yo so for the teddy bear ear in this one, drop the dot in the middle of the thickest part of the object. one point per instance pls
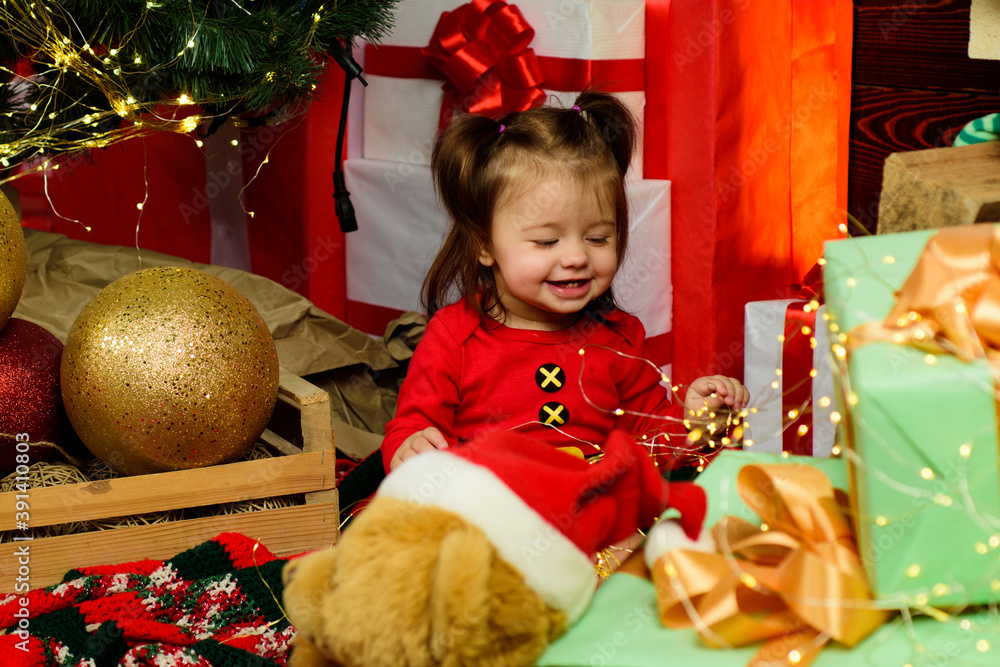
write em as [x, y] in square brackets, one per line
[459, 602]
[307, 581]
[481, 606]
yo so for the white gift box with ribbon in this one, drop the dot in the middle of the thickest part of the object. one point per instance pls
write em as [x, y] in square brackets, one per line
[401, 113]
[764, 348]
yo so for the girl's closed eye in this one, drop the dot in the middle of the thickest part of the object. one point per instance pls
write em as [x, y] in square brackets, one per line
[598, 240]
[545, 243]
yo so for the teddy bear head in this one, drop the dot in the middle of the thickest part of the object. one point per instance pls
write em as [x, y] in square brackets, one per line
[414, 585]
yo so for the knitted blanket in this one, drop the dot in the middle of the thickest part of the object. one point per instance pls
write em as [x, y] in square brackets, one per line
[216, 605]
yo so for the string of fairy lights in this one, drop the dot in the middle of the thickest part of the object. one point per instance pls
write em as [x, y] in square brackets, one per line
[102, 69]
[69, 94]
[706, 428]
[57, 125]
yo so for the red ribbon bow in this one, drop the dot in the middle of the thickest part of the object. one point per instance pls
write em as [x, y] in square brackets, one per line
[482, 49]
[811, 286]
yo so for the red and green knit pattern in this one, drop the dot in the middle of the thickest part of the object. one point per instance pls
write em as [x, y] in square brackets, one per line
[216, 605]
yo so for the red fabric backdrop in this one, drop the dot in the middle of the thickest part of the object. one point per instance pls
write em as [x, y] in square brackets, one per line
[294, 236]
[746, 115]
[103, 188]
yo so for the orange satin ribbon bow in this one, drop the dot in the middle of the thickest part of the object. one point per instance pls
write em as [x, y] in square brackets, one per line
[482, 49]
[951, 300]
[794, 583]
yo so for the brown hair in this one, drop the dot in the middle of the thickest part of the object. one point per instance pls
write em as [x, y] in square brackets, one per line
[475, 163]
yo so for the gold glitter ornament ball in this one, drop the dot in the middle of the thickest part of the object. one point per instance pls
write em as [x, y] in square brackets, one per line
[169, 368]
[13, 259]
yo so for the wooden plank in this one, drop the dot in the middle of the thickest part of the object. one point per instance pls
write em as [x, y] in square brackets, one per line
[918, 44]
[885, 121]
[940, 187]
[301, 391]
[317, 429]
[126, 496]
[300, 414]
[271, 438]
[329, 497]
[285, 532]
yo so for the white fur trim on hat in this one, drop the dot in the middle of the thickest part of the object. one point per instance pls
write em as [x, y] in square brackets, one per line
[551, 564]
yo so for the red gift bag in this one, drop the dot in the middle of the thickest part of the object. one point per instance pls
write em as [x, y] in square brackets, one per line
[748, 108]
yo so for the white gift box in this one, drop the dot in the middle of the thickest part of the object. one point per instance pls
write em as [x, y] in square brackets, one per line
[401, 114]
[763, 355]
[401, 224]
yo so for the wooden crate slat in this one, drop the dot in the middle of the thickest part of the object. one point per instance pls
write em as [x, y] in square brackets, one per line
[271, 438]
[285, 532]
[301, 391]
[310, 471]
[126, 496]
[317, 428]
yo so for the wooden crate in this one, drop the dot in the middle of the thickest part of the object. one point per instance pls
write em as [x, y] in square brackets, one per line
[299, 430]
[940, 187]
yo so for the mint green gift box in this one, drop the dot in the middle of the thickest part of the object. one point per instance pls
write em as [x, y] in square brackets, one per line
[622, 626]
[921, 432]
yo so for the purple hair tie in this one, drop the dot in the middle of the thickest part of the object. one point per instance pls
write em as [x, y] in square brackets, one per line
[576, 109]
[502, 128]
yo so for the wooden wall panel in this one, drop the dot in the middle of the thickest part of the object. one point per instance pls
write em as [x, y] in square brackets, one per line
[918, 45]
[888, 120]
[914, 87]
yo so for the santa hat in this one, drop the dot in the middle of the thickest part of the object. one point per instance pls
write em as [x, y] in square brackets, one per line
[547, 512]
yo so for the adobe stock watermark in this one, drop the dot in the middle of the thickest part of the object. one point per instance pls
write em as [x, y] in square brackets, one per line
[900, 16]
[407, 165]
[554, 530]
[22, 517]
[424, 490]
[422, 147]
[323, 250]
[433, 482]
[887, 534]
[252, 145]
[635, 621]
[758, 155]
[643, 275]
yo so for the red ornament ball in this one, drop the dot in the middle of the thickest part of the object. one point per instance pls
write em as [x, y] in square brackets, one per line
[30, 395]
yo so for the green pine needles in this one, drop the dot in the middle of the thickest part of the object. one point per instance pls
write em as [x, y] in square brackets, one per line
[81, 74]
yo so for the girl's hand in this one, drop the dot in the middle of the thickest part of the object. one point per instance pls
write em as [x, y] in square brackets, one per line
[422, 441]
[714, 392]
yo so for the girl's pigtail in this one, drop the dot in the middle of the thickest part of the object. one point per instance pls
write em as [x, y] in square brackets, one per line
[462, 146]
[459, 156]
[614, 121]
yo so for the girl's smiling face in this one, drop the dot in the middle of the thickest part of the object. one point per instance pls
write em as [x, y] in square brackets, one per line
[552, 251]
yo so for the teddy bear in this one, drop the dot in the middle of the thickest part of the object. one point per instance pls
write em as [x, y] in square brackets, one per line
[480, 554]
